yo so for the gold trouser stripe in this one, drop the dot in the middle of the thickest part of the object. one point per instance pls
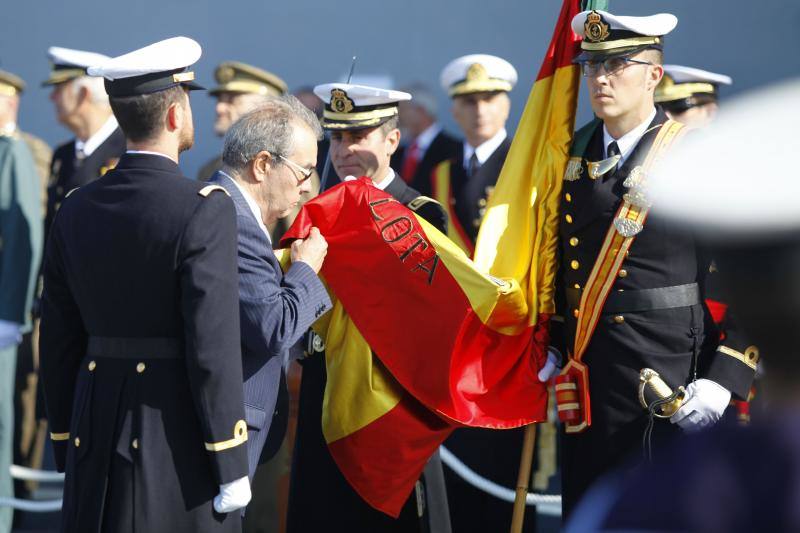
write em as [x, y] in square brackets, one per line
[738, 355]
[569, 406]
[364, 115]
[680, 91]
[59, 436]
[620, 43]
[614, 248]
[239, 437]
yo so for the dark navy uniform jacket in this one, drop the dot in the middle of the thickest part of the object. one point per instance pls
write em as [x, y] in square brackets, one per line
[140, 353]
[66, 172]
[680, 343]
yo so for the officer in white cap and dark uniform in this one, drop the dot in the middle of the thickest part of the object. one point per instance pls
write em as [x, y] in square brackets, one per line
[363, 125]
[730, 478]
[81, 105]
[478, 85]
[631, 281]
[140, 352]
[689, 95]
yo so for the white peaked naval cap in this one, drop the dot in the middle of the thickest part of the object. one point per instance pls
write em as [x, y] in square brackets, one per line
[607, 34]
[477, 73]
[732, 177]
[350, 106]
[68, 63]
[153, 68]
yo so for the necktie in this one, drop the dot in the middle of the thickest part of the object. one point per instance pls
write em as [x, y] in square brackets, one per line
[612, 150]
[474, 165]
[410, 162]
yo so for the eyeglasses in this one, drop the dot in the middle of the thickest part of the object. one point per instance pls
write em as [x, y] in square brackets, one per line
[306, 172]
[611, 66]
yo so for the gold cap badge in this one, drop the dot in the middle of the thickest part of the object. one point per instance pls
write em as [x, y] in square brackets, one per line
[477, 72]
[340, 102]
[594, 28]
[225, 74]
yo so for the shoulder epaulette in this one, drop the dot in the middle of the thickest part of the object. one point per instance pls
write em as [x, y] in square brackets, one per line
[208, 189]
[419, 201]
[70, 192]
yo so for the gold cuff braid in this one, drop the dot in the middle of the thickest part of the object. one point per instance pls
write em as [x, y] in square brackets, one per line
[749, 357]
[239, 437]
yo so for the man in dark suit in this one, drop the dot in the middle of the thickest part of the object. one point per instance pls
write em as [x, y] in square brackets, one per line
[266, 170]
[427, 144]
[364, 134]
[633, 282]
[141, 363]
[478, 85]
[81, 105]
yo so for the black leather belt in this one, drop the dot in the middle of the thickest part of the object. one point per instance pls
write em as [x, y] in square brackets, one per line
[643, 299]
[135, 347]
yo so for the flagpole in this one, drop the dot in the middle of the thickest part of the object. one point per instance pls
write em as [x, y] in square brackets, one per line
[523, 478]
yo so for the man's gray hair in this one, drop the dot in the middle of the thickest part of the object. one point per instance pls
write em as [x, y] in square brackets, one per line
[270, 128]
[95, 86]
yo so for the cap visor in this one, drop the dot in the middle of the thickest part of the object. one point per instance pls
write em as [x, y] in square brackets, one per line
[589, 55]
[193, 86]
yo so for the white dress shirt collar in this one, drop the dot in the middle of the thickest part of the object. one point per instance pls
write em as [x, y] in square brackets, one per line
[425, 139]
[485, 150]
[251, 203]
[99, 137]
[385, 183]
[627, 142]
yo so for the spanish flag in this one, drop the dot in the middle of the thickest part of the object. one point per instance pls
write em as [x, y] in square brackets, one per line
[421, 339]
[519, 234]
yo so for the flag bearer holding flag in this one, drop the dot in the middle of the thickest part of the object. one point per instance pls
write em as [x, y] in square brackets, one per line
[633, 283]
[364, 135]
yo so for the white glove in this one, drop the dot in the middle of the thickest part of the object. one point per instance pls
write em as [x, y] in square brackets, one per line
[551, 366]
[233, 495]
[706, 401]
[9, 334]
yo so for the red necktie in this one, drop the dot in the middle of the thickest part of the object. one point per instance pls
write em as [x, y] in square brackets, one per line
[410, 162]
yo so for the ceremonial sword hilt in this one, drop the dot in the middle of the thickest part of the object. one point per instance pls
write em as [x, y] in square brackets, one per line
[669, 401]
